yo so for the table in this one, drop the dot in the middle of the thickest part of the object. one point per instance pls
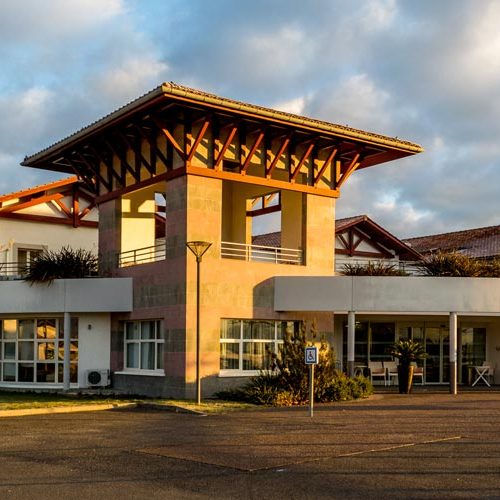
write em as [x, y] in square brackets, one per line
[481, 372]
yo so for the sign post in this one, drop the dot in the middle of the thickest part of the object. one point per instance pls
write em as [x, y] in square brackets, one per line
[311, 359]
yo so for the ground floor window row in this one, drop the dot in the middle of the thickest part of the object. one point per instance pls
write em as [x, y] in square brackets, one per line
[374, 338]
[144, 345]
[246, 345]
[32, 350]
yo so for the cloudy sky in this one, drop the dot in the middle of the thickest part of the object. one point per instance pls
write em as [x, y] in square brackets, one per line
[427, 71]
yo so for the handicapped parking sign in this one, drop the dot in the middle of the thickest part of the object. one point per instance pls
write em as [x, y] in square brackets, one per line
[311, 355]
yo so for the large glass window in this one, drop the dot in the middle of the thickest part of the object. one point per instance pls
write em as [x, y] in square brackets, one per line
[32, 350]
[144, 341]
[372, 341]
[246, 345]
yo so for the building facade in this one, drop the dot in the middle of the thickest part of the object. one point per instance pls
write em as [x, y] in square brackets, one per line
[209, 169]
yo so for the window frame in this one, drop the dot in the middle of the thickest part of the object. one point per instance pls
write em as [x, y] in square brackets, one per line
[241, 341]
[157, 340]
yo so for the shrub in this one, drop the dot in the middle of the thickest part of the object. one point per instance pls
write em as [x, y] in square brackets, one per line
[372, 269]
[64, 263]
[288, 383]
[458, 265]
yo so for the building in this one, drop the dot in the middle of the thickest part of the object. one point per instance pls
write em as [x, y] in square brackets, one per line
[178, 165]
[35, 340]
[479, 243]
[45, 218]
[211, 167]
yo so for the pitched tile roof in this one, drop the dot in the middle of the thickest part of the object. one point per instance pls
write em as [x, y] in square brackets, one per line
[483, 242]
[267, 240]
[173, 90]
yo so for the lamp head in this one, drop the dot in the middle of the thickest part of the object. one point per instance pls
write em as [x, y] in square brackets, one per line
[198, 248]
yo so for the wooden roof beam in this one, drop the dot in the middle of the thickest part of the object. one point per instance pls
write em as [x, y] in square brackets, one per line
[252, 151]
[226, 144]
[304, 158]
[284, 144]
[169, 136]
[327, 162]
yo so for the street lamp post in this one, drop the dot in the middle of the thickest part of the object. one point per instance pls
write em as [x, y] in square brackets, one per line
[198, 248]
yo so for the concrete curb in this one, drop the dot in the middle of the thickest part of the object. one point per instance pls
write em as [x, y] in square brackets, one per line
[65, 409]
[176, 409]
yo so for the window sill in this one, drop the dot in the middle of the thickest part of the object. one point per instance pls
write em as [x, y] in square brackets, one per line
[147, 373]
[238, 373]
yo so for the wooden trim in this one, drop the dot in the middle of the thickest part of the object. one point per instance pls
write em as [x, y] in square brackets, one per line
[261, 181]
[166, 176]
[34, 201]
[38, 189]
[46, 218]
[63, 207]
[264, 211]
[342, 251]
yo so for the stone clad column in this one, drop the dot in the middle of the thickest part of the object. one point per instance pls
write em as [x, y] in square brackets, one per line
[453, 353]
[351, 328]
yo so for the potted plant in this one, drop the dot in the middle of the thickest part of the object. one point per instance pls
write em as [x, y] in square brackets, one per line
[407, 351]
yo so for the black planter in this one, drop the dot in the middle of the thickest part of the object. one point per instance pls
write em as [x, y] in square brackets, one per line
[405, 378]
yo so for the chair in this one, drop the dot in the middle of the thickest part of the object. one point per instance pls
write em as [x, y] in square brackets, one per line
[418, 371]
[376, 369]
[392, 370]
[490, 373]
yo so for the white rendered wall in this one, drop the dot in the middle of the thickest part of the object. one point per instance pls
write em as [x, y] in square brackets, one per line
[16, 233]
[94, 344]
[379, 294]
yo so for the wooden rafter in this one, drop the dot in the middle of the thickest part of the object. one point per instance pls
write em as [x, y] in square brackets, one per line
[15, 207]
[252, 151]
[154, 147]
[169, 136]
[305, 156]
[137, 151]
[281, 150]
[226, 144]
[327, 162]
[96, 167]
[198, 139]
[353, 165]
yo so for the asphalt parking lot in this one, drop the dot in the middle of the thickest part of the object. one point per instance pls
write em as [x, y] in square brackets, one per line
[392, 446]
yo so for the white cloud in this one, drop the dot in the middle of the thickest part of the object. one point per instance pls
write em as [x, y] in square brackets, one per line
[295, 106]
[355, 101]
[54, 20]
[125, 81]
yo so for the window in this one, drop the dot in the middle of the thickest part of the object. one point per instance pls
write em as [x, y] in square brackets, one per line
[32, 350]
[25, 257]
[144, 341]
[246, 345]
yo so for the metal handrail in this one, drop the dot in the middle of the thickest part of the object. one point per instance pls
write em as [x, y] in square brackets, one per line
[12, 270]
[260, 253]
[142, 255]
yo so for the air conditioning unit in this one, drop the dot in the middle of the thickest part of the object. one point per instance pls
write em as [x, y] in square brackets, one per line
[97, 378]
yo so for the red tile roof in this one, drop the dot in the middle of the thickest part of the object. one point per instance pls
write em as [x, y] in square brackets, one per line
[483, 242]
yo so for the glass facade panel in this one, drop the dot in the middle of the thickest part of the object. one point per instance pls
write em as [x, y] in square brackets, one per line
[26, 351]
[9, 328]
[259, 330]
[26, 328]
[148, 356]
[231, 329]
[46, 328]
[246, 345]
[229, 356]
[144, 341]
[31, 353]
[256, 355]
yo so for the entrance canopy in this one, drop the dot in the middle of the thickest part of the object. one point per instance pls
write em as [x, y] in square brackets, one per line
[380, 294]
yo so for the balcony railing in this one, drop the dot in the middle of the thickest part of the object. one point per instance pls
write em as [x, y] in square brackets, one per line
[143, 255]
[260, 253]
[12, 270]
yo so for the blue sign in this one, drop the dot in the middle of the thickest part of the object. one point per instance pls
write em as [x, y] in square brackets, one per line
[311, 355]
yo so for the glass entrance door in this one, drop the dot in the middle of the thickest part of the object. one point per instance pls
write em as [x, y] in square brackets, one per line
[437, 364]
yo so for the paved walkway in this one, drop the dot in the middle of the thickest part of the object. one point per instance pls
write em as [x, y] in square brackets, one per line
[391, 446]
